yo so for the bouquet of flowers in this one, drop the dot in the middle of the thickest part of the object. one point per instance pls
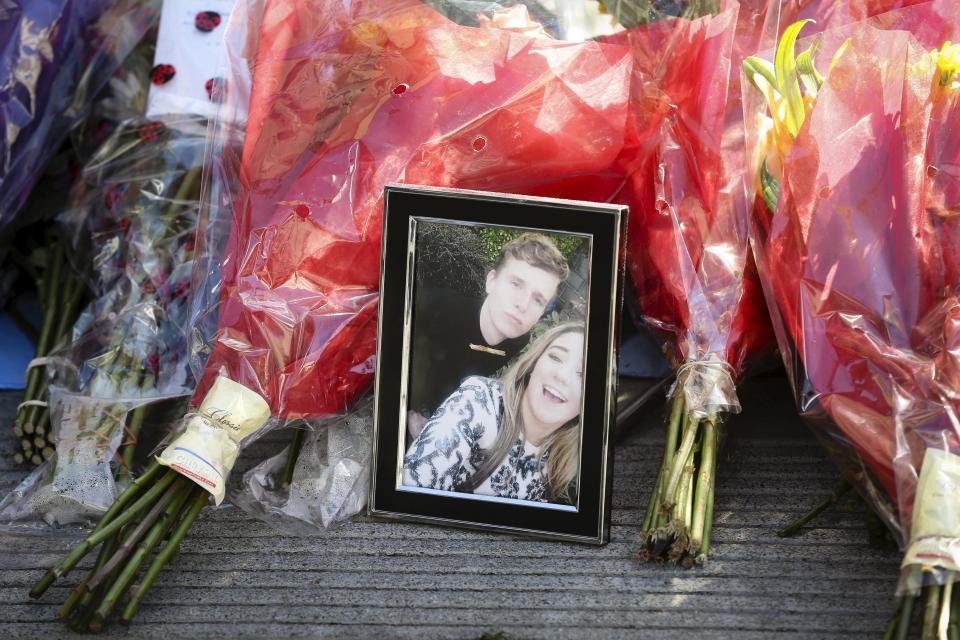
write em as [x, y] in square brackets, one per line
[136, 208]
[55, 57]
[424, 100]
[689, 256]
[691, 260]
[61, 293]
[858, 238]
[51, 267]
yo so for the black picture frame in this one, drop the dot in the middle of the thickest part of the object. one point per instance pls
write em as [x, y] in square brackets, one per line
[605, 225]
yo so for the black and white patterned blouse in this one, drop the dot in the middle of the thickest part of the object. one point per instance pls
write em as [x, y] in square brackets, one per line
[450, 448]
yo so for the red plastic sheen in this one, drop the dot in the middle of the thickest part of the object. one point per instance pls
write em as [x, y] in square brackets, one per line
[688, 232]
[863, 253]
[326, 131]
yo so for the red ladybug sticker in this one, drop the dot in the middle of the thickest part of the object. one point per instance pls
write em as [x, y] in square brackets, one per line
[180, 290]
[214, 87]
[207, 21]
[150, 131]
[162, 74]
[112, 196]
[153, 360]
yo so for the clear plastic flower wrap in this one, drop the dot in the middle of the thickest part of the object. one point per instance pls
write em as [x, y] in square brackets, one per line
[688, 252]
[857, 233]
[134, 213]
[344, 98]
[300, 328]
[328, 482]
[692, 264]
[54, 58]
[269, 482]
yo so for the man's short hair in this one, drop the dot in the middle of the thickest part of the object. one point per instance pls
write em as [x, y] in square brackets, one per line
[538, 250]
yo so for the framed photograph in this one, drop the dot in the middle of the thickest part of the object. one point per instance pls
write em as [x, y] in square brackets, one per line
[496, 361]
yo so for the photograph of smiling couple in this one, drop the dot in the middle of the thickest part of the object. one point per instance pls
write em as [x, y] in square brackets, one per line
[496, 362]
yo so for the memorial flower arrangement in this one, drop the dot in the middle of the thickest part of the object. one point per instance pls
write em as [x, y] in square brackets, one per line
[55, 58]
[688, 254]
[133, 215]
[858, 237]
[424, 101]
[853, 211]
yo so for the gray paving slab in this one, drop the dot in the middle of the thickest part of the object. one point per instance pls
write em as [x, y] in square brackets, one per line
[238, 578]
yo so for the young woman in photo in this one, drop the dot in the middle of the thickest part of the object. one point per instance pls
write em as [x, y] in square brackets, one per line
[514, 437]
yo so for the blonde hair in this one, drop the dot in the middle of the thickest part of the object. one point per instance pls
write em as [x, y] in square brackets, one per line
[563, 444]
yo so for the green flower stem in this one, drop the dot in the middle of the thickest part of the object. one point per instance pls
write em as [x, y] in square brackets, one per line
[673, 434]
[80, 623]
[839, 490]
[85, 596]
[33, 414]
[903, 615]
[70, 307]
[704, 549]
[652, 503]
[189, 180]
[931, 611]
[293, 454]
[953, 627]
[133, 426]
[141, 530]
[688, 474]
[74, 598]
[199, 500]
[680, 461]
[101, 534]
[676, 512]
[705, 483]
[88, 603]
[80, 598]
[178, 494]
[106, 418]
[50, 311]
[892, 625]
[673, 429]
[943, 616]
[43, 425]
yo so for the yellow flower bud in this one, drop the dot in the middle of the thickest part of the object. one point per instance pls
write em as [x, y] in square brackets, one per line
[947, 59]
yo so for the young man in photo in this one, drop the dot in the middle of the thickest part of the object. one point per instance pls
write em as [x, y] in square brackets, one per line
[456, 335]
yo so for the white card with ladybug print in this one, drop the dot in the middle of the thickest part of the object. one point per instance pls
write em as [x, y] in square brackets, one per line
[190, 60]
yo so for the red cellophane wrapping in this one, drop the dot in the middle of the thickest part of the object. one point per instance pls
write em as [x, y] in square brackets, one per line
[689, 253]
[861, 259]
[688, 225]
[347, 97]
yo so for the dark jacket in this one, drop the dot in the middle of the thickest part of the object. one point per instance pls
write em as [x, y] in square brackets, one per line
[445, 340]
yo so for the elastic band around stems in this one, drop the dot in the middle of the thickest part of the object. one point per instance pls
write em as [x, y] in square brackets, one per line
[43, 361]
[711, 390]
[717, 364]
[32, 403]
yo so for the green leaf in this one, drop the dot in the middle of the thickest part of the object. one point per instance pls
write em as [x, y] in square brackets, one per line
[838, 53]
[754, 66]
[769, 188]
[785, 71]
[811, 78]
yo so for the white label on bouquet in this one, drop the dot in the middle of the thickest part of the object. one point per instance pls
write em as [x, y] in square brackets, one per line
[935, 532]
[190, 59]
[206, 450]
